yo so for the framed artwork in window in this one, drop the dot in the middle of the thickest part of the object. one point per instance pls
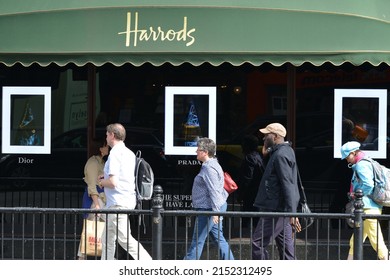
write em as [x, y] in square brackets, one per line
[361, 115]
[190, 113]
[26, 124]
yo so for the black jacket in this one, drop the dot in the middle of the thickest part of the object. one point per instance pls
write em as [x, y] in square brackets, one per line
[251, 171]
[278, 190]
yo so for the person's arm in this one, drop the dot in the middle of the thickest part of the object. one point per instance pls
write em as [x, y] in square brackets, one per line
[91, 174]
[247, 171]
[211, 179]
[110, 182]
[288, 185]
[114, 166]
[365, 173]
[245, 177]
[288, 188]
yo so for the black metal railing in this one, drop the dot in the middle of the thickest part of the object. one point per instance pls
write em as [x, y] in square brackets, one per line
[54, 233]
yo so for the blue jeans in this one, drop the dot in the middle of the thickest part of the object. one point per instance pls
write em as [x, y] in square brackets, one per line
[203, 226]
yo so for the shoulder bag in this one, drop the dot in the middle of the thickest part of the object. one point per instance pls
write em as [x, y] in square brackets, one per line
[303, 206]
[229, 184]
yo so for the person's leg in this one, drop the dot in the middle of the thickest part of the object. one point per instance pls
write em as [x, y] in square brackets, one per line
[109, 238]
[284, 239]
[128, 242]
[216, 232]
[82, 255]
[351, 241]
[350, 252]
[373, 231]
[247, 206]
[261, 238]
[201, 230]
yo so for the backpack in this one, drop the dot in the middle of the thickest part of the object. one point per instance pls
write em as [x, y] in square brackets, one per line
[144, 178]
[381, 192]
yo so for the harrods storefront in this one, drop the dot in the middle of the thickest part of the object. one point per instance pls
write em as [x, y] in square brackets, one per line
[264, 61]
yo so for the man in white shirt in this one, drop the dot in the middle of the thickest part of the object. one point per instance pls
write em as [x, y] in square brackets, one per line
[118, 182]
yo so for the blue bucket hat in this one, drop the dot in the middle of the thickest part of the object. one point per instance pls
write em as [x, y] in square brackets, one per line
[348, 148]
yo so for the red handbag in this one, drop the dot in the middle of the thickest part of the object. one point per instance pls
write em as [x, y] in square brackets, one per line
[229, 184]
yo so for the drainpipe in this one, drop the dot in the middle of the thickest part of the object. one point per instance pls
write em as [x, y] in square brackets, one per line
[91, 101]
[291, 104]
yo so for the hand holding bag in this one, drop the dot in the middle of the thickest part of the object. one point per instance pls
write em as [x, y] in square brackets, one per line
[229, 184]
[91, 237]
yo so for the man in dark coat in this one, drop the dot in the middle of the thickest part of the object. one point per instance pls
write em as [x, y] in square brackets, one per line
[278, 192]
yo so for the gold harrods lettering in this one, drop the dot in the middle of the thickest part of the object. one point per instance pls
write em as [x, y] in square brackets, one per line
[155, 35]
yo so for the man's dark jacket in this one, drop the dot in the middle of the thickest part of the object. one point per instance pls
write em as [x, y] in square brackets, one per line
[278, 190]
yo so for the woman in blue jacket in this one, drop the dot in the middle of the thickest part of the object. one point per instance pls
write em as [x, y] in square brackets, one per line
[363, 178]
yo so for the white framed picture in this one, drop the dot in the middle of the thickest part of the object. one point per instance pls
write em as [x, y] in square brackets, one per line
[361, 115]
[26, 120]
[190, 113]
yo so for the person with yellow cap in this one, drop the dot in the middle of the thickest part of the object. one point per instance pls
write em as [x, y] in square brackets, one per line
[278, 192]
[363, 178]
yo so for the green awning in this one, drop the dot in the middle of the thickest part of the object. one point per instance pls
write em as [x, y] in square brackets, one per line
[196, 31]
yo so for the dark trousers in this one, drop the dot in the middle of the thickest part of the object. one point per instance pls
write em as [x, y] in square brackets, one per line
[269, 228]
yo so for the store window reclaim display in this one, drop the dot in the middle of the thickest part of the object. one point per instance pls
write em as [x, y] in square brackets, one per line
[362, 114]
[26, 133]
[244, 101]
[191, 126]
[190, 113]
[26, 120]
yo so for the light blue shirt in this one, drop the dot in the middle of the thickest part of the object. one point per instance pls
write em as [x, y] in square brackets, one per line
[208, 191]
[121, 164]
[363, 178]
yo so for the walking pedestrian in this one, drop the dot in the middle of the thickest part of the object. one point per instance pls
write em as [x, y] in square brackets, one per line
[93, 197]
[278, 192]
[251, 171]
[208, 194]
[118, 182]
[363, 178]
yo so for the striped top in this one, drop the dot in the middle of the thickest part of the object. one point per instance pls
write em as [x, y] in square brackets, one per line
[208, 191]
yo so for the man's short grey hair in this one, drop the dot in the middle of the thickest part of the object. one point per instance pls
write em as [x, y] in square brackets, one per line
[118, 130]
[208, 145]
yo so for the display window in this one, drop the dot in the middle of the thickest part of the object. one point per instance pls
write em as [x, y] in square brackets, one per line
[166, 108]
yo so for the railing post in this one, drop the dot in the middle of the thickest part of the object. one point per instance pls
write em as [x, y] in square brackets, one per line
[157, 208]
[358, 228]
